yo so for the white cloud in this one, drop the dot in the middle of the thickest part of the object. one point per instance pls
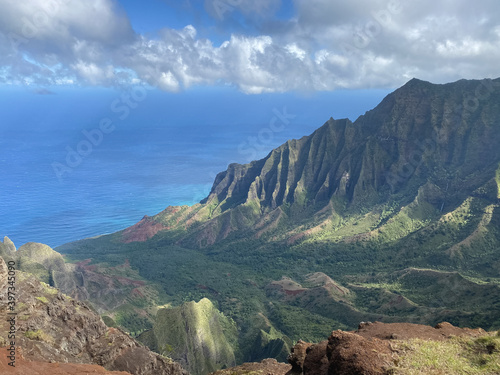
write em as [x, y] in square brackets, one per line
[92, 73]
[296, 51]
[168, 82]
[327, 45]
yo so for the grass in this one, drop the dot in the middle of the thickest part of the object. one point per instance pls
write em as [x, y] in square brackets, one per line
[48, 289]
[38, 335]
[42, 299]
[455, 356]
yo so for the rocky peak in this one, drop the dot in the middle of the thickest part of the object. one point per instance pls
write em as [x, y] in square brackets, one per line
[42, 254]
[7, 247]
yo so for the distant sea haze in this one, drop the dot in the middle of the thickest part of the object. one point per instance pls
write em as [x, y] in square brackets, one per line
[166, 151]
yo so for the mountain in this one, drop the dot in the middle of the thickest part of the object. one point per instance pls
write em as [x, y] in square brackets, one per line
[48, 326]
[437, 140]
[394, 217]
[196, 335]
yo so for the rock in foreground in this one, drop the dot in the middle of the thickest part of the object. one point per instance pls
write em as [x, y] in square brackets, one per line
[379, 348]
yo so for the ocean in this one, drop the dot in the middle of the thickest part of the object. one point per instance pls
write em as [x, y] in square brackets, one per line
[79, 162]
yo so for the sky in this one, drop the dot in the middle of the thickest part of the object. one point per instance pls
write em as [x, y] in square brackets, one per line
[254, 46]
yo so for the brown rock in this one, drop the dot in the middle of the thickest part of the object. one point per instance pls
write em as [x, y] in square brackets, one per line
[316, 361]
[265, 367]
[7, 247]
[366, 351]
[351, 354]
[405, 331]
[298, 356]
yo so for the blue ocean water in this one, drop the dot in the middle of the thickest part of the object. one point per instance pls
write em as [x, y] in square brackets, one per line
[79, 162]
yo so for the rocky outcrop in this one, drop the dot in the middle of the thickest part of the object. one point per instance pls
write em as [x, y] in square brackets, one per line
[298, 355]
[7, 247]
[42, 254]
[351, 354]
[367, 351]
[52, 327]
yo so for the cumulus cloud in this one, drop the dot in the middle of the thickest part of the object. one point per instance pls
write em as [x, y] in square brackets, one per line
[326, 45]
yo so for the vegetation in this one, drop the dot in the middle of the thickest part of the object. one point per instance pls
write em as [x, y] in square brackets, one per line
[37, 335]
[455, 356]
[197, 335]
[42, 299]
[401, 208]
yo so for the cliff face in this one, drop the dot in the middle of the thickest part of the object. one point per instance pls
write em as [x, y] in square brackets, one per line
[54, 327]
[196, 335]
[441, 137]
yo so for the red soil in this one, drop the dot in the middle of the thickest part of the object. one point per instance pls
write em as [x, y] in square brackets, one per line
[142, 231]
[25, 367]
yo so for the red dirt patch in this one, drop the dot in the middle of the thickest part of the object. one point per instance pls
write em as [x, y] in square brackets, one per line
[405, 331]
[83, 265]
[137, 293]
[142, 231]
[24, 367]
[266, 367]
[293, 292]
[126, 281]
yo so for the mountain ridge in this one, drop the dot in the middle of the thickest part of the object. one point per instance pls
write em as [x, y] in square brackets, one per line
[350, 164]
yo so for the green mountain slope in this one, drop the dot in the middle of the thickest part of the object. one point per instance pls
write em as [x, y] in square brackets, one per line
[397, 211]
[196, 335]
